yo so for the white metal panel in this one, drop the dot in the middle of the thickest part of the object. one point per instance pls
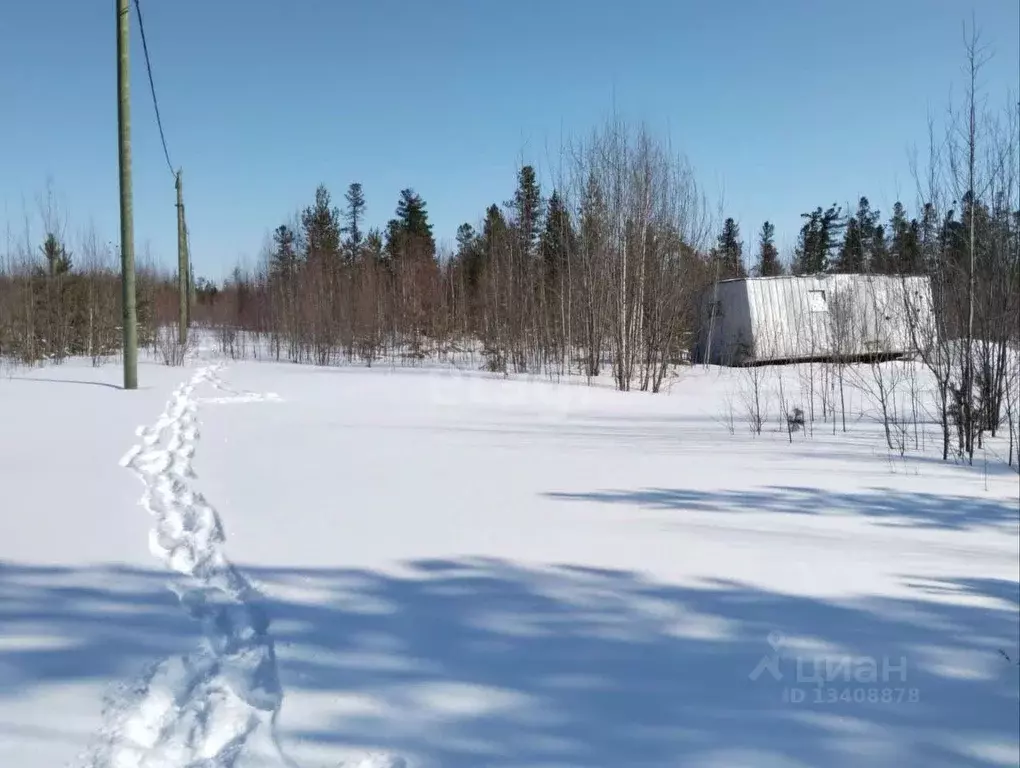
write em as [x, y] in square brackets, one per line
[790, 317]
[813, 316]
[727, 336]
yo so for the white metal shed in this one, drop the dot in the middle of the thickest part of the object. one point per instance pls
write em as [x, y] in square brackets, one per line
[809, 317]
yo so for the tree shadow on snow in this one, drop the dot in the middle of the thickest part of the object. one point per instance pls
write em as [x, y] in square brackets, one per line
[912, 462]
[882, 505]
[478, 662]
[81, 382]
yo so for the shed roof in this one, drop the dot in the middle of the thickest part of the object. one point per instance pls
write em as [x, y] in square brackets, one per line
[813, 275]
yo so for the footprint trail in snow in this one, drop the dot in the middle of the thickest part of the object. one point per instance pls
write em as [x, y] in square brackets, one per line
[216, 707]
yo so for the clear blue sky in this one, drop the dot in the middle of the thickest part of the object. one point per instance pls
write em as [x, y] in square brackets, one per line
[781, 106]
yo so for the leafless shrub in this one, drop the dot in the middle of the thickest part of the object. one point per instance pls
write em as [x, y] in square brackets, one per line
[171, 350]
[787, 416]
[729, 413]
[755, 396]
[879, 377]
[841, 329]
[231, 342]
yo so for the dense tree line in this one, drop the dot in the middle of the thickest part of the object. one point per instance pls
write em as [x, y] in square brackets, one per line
[606, 268]
[601, 269]
[56, 303]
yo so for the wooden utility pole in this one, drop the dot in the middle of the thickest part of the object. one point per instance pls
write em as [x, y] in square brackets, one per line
[182, 268]
[127, 229]
[192, 293]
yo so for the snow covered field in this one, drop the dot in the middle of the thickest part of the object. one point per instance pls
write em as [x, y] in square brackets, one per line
[461, 571]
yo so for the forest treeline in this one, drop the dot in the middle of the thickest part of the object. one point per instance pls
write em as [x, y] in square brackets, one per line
[608, 266]
[603, 268]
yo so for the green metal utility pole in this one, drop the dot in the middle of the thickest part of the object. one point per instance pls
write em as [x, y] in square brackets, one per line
[182, 267]
[127, 228]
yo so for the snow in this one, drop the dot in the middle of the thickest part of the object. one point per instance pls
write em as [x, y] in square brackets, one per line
[256, 564]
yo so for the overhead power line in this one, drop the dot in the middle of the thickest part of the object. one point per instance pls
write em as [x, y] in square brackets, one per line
[152, 89]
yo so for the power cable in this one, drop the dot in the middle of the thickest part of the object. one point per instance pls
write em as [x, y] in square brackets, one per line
[152, 88]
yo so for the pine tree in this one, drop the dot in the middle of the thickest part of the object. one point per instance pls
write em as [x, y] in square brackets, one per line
[465, 237]
[805, 258]
[394, 242]
[914, 256]
[832, 227]
[470, 255]
[851, 254]
[953, 242]
[409, 234]
[768, 255]
[58, 258]
[527, 210]
[730, 251]
[414, 217]
[558, 237]
[373, 249]
[354, 216]
[52, 310]
[856, 252]
[880, 263]
[905, 243]
[283, 262]
[321, 224]
[494, 233]
[868, 225]
[817, 240]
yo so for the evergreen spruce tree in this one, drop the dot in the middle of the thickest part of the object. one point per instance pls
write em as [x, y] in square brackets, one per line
[413, 217]
[470, 255]
[817, 239]
[409, 234]
[905, 243]
[321, 224]
[495, 233]
[465, 237]
[527, 210]
[851, 254]
[283, 262]
[857, 249]
[880, 263]
[354, 217]
[558, 237]
[58, 258]
[730, 251]
[373, 249]
[868, 225]
[831, 229]
[953, 241]
[805, 259]
[768, 255]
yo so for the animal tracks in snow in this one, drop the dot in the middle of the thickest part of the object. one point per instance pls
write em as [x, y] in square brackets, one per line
[216, 707]
[232, 395]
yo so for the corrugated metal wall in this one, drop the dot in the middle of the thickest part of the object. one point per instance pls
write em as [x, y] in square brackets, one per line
[805, 317]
